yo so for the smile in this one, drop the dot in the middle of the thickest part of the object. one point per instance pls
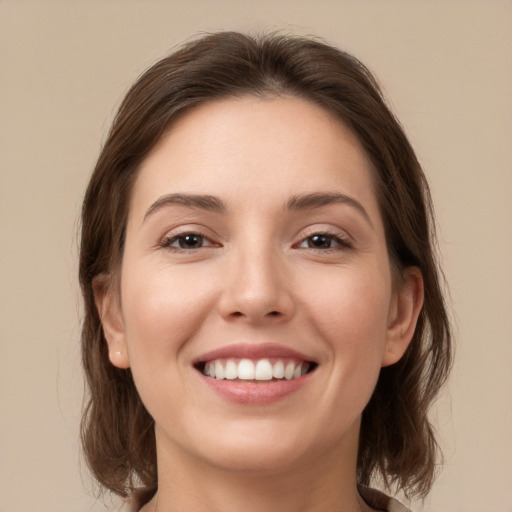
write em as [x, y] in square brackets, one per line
[266, 369]
[255, 374]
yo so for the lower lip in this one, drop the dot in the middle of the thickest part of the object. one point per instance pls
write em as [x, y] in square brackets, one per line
[255, 393]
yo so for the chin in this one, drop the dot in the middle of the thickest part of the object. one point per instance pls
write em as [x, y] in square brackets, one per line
[258, 459]
[264, 448]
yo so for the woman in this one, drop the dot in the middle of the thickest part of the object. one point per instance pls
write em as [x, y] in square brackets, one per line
[264, 325]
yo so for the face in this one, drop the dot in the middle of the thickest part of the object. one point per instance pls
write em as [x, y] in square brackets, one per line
[256, 305]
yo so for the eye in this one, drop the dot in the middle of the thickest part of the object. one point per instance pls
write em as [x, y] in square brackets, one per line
[324, 241]
[187, 241]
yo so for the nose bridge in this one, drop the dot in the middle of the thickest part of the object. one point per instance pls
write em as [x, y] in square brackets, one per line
[256, 285]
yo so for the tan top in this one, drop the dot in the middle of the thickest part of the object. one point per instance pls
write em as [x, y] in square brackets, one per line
[374, 498]
[380, 501]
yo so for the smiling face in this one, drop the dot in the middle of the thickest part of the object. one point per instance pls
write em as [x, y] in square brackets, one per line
[256, 304]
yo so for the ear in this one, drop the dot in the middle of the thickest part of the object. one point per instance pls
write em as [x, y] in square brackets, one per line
[405, 308]
[107, 302]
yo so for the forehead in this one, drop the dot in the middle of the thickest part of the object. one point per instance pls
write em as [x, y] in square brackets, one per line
[254, 149]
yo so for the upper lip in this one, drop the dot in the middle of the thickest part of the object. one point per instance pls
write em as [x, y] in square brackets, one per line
[252, 351]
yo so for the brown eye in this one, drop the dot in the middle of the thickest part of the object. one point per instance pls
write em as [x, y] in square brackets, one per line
[190, 241]
[324, 241]
[320, 242]
[187, 241]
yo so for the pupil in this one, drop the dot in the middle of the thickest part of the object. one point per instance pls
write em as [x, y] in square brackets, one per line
[190, 241]
[319, 241]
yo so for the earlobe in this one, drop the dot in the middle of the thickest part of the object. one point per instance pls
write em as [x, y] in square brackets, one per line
[403, 316]
[107, 304]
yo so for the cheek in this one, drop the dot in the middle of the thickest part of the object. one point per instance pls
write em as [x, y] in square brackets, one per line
[162, 309]
[352, 308]
[349, 311]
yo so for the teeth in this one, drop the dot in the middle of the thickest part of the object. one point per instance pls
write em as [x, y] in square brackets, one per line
[245, 370]
[261, 369]
[219, 370]
[289, 371]
[231, 370]
[278, 370]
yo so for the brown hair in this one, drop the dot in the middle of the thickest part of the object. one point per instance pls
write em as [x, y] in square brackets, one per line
[397, 441]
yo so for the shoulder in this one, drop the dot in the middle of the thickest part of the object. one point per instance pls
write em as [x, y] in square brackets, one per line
[396, 506]
[135, 501]
[380, 501]
[128, 505]
[374, 498]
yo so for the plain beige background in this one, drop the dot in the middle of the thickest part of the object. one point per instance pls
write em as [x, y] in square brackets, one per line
[64, 66]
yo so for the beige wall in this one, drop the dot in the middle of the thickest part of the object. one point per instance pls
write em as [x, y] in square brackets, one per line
[447, 69]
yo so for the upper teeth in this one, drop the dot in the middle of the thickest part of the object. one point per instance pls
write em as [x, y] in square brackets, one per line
[261, 369]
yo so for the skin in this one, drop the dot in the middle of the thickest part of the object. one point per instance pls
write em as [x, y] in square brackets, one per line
[256, 278]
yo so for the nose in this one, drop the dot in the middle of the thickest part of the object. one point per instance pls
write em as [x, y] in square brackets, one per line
[257, 288]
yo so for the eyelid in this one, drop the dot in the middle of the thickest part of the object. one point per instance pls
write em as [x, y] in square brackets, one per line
[343, 239]
[172, 240]
[175, 234]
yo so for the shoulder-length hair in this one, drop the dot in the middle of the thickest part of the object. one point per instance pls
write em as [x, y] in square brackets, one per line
[397, 441]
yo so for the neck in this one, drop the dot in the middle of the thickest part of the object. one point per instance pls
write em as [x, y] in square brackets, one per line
[324, 482]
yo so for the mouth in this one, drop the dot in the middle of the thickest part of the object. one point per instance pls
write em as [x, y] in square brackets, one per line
[257, 370]
[245, 365]
[257, 380]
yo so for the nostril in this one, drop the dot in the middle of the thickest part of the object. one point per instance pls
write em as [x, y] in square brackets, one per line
[239, 314]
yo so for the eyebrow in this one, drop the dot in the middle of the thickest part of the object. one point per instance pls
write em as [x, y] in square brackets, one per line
[204, 202]
[319, 199]
[296, 202]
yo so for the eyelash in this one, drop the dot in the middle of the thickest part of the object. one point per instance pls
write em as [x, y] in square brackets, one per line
[167, 242]
[341, 241]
